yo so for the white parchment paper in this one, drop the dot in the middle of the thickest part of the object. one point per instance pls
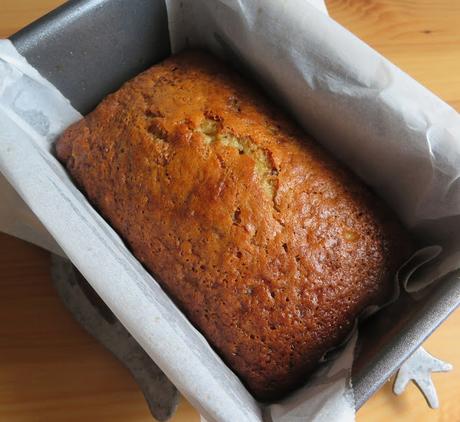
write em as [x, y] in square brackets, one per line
[400, 138]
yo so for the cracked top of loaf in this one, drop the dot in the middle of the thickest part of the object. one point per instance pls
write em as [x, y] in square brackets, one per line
[268, 245]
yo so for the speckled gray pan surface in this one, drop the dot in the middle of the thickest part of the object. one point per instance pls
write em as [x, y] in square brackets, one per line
[88, 48]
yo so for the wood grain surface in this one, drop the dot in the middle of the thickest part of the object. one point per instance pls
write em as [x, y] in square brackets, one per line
[51, 370]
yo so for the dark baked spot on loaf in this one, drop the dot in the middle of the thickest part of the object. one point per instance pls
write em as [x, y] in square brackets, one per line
[268, 245]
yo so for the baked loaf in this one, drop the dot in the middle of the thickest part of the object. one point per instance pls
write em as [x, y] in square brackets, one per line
[267, 244]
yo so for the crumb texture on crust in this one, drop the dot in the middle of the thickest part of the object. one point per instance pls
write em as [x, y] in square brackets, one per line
[269, 246]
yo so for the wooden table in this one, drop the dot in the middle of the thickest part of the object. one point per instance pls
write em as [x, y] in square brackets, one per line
[51, 370]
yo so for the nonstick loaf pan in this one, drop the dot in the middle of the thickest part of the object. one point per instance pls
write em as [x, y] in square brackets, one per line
[88, 48]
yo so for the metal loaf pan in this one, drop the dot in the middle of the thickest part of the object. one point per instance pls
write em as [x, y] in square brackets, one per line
[88, 48]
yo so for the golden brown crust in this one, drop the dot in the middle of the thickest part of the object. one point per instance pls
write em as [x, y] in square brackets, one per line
[269, 246]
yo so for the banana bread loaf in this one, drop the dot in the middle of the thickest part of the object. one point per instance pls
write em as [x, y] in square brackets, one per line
[267, 244]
